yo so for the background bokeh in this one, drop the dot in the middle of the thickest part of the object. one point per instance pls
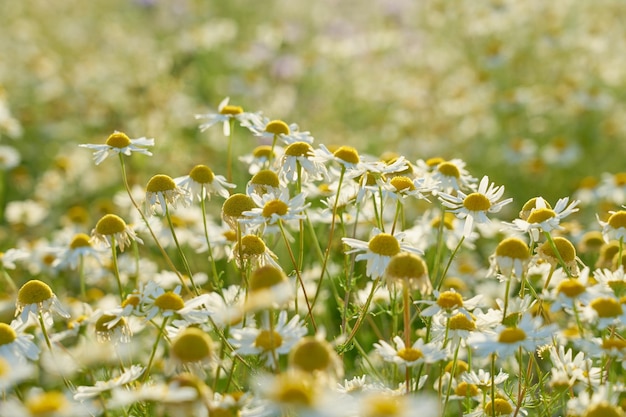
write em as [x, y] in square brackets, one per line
[530, 93]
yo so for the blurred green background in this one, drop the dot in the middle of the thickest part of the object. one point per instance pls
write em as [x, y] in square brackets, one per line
[530, 92]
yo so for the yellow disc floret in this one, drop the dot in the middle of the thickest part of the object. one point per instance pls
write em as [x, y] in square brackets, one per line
[476, 202]
[160, 183]
[7, 334]
[192, 345]
[384, 244]
[118, 140]
[34, 292]
[266, 277]
[449, 169]
[461, 322]
[277, 207]
[202, 174]
[402, 183]
[405, 266]
[265, 177]
[236, 204]
[169, 301]
[511, 335]
[606, 307]
[49, 403]
[80, 240]
[277, 127]
[347, 154]
[513, 247]
[311, 354]
[110, 224]
[298, 149]
[540, 215]
[499, 407]
[603, 409]
[617, 219]
[410, 354]
[252, 245]
[571, 287]
[268, 340]
[449, 300]
[231, 110]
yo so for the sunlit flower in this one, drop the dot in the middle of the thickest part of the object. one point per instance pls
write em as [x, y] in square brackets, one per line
[269, 342]
[379, 250]
[316, 356]
[84, 392]
[49, 403]
[298, 161]
[544, 219]
[452, 175]
[202, 182]
[411, 356]
[615, 227]
[566, 253]
[273, 208]
[111, 228]
[15, 344]
[225, 113]
[263, 127]
[511, 257]
[36, 297]
[408, 269]
[119, 143]
[161, 191]
[474, 207]
[78, 248]
[250, 250]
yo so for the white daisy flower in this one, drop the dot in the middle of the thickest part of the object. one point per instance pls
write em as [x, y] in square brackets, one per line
[451, 175]
[544, 219]
[407, 357]
[15, 344]
[261, 157]
[36, 297]
[111, 228]
[13, 372]
[604, 311]
[88, 392]
[263, 127]
[119, 143]
[38, 402]
[511, 258]
[201, 183]
[269, 342]
[161, 191]
[449, 303]
[474, 207]
[272, 208]
[79, 248]
[615, 227]
[603, 402]
[252, 252]
[225, 114]
[298, 159]
[379, 250]
[8, 258]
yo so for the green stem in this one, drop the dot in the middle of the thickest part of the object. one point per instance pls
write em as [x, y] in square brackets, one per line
[146, 373]
[206, 236]
[180, 250]
[116, 270]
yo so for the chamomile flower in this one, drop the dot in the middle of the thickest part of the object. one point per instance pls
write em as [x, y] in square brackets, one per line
[260, 157]
[612, 281]
[168, 303]
[407, 357]
[84, 392]
[201, 183]
[161, 191]
[615, 227]
[400, 187]
[15, 344]
[271, 208]
[79, 248]
[112, 228]
[252, 251]
[408, 269]
[612, 188]
[566, 253]
[452, 175]
[505, 341]
[192, 346]
[602, 403]
[512, 257]
[474, 207]
[604, 311]
[347, 157]
[382, 403]
[269, 342]
[268, 287]
[570, 292]
[298, 160]
[12, 373]
[225, 114]
[112, 328]
[316, 356]
[233, 209]
[119, 143]
[8, 258]
[49, 403]
[544, 219]
[450, 303]
[379, 250]
[263, 127]
[36, 297]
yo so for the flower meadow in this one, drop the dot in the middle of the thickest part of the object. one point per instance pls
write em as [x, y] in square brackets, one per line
[171, 246]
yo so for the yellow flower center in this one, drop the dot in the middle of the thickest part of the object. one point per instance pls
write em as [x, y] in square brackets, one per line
[311, 354]
[564, 246]
[101, 323]
[384, 244]
[266, 277]
[5, 368]
[252, 245]
[402, 184]
[410, 354]
[265, 177]
[347, 154]
[277, 206]
[381, 405]
[532, 203]
[7, 334]
[498, 407]
[268, 340]
[620, 178]
[476, 202]
[118, 140]
[160, 183]
[110, 224]
[295, 390]
[514, 248]
[449, 169]
[47, 403]
[433, 162]
[617, 219]
[131, 300]
[449, 300]
[448, 221]
[237, 204]
[406, 265]
[511, 335]
[192, 345]
[614, 343]
[77, 214]
[277, 127]
[34, 292]
[298, 149]
[603, 409]
[81, 240]
[169, 301]
[606, 307]
[540, 215]
[592, 241]
[463, 389]
[263, 151]
[571, 287]
[231, 110]
[230, 235]
[461, 367]
[461, 322]
[202, 174]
